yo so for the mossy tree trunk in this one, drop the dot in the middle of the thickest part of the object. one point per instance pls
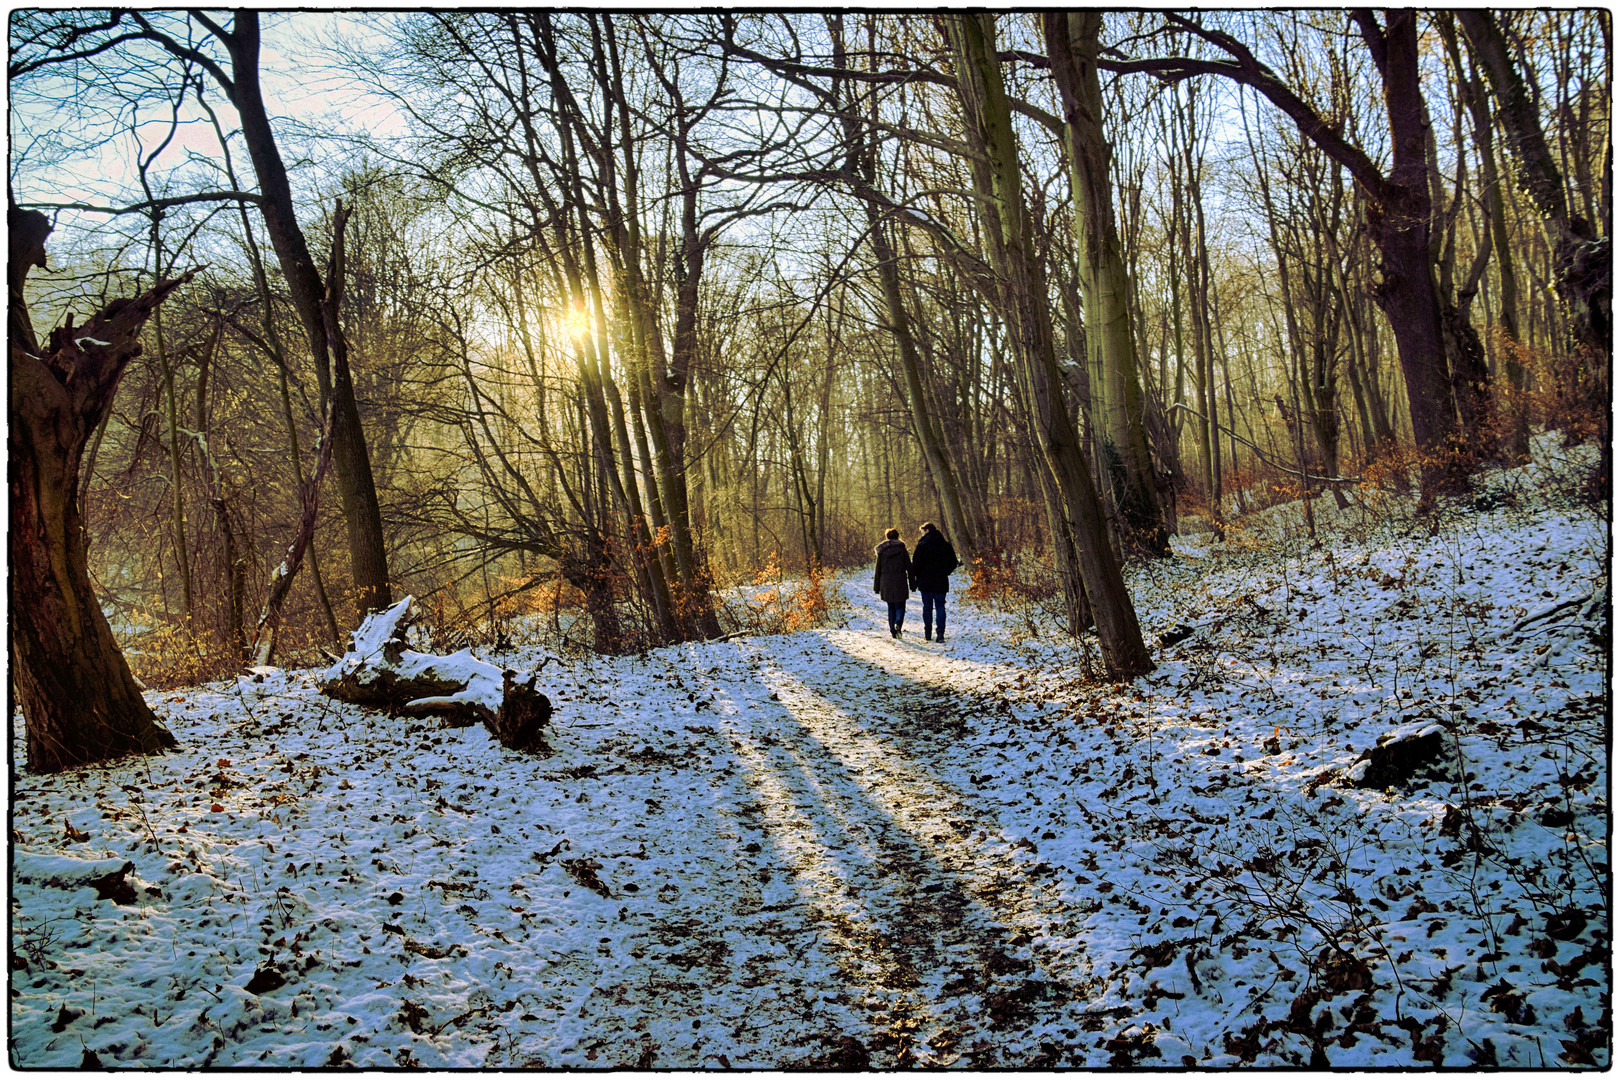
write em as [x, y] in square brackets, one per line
[1071, 41]
[1027, 310]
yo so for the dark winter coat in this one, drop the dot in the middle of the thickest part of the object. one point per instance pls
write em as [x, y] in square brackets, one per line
[891, 578]
[932, 563]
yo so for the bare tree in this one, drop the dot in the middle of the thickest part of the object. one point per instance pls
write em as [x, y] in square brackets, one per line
[1399, 203]
[73, 39]
[1027, 312]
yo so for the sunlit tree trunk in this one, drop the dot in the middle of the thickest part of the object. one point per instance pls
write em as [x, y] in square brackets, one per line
[1028, 314]
[1110, 336]
[270, 345]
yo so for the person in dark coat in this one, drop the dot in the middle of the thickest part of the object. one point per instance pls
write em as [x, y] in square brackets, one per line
[891, 579]
[931, 566]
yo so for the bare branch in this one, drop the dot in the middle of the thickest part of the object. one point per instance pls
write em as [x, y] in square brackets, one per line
[148, 205]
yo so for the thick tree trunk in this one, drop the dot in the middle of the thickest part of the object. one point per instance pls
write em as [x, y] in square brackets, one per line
[80, 702]
[1110, 338]
[1400, 224]
[1407, 296]
[1028, 314]
[1398, 210]
[669, 425]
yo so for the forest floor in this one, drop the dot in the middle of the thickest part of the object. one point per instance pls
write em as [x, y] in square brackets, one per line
[833, 849]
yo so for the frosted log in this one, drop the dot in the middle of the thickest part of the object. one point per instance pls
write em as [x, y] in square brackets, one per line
[381, 671]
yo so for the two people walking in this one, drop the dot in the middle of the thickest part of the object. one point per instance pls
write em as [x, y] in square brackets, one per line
[927, 570]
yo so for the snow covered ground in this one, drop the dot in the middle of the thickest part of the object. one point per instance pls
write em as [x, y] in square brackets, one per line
[833, 849]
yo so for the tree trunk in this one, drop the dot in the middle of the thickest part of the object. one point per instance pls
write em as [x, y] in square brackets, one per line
[1398, 207]
[266, 631]
[1028, 314]
[1110, 337]
[1473, 96]
[928, 437]
[381, 671]
[219, 497]
[177, 480]
[80, 702]
[1585, 275]
[1400, 225]
[357, 490]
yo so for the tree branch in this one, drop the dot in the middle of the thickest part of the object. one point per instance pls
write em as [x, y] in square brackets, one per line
[1248, 71]
[186, 52]
[148, 205]
[1261, 454]
[898, 76]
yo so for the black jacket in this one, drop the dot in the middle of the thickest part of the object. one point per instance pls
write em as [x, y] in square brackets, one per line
[932, 563]
[892, 570]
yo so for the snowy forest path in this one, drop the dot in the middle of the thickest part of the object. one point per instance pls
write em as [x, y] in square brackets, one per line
[940, 915]
[884, 875]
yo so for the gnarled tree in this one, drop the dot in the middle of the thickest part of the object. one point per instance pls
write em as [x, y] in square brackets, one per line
[79, 701]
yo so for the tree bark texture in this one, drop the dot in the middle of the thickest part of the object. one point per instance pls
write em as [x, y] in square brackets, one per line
[1028, 314]
[380, 671]
[80, 702]
[1110, 337]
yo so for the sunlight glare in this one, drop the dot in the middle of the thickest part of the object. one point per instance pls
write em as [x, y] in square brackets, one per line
[579, 323]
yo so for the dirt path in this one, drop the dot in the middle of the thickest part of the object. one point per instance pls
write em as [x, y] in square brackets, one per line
[894, 926]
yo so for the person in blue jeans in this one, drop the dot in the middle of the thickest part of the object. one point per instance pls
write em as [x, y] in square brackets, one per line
[931, 566]
[891, 579]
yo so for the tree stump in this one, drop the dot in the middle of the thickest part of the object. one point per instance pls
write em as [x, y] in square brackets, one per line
[381, 672]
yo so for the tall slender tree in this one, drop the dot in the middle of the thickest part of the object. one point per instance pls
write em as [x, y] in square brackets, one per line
[1027, 311]
[1582, 257]
[1072, 45]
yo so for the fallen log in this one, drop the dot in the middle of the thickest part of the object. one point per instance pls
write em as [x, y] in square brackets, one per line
[380, 671]
[1411, 754]
[106, 876]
